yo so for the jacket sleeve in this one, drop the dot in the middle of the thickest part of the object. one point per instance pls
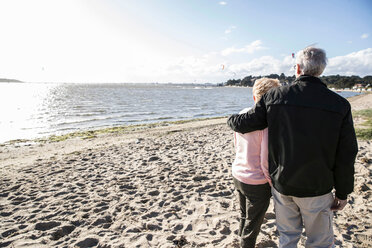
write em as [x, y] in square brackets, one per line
[254, 119]
[265, 155]
[347, 150]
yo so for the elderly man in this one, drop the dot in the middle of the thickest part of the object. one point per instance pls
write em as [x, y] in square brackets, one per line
[312, 149]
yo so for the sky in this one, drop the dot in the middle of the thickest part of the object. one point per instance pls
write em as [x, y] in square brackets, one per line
[178, 41]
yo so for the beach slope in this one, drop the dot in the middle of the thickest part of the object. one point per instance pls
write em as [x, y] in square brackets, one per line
[167, 186]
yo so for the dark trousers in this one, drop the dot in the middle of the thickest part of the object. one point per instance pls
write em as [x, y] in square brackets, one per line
[254, 201]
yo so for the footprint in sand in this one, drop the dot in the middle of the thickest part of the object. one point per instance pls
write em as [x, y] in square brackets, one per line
[63, 231]
[19, 200]
[151, 215]
[266, 243]
[153, 227]
[44, 226]
[105, 220]
[225, 230]
[9, 232]
[178, 228]
[88, 242]
[5, 194]
[154, 193]
[5, 214]
[224, 204]
[269, 216]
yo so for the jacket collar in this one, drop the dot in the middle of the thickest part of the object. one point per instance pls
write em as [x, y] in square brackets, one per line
[311, 79]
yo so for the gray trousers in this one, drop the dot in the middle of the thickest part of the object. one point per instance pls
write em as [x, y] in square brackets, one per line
[254, 201]
[314, 213]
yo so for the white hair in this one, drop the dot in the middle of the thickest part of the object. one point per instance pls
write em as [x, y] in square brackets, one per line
[312, 61]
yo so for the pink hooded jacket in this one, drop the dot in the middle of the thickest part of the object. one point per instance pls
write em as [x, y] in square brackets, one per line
[251, 160]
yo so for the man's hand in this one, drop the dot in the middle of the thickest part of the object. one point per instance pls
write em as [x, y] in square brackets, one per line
[338, 204]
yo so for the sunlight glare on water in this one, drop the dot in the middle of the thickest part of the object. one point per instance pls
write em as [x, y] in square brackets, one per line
[32, 110]
[23, 108]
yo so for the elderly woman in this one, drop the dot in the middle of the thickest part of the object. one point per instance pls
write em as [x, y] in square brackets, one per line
[250, 172]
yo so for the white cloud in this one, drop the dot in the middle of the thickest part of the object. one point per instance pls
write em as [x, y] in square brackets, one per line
[250, 48]
[364, 36]
[230, 29]
[208, 68]
[222, 3]
[349, 42]
[264, 65]
[356, 63]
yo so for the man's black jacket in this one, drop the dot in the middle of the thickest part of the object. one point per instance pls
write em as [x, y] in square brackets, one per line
[312, 143]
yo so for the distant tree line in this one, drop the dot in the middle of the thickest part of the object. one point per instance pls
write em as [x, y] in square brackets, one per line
[342, 82]
[7, 80]
[334, 81]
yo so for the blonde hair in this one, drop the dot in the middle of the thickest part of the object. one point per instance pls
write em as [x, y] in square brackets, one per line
[262, 85]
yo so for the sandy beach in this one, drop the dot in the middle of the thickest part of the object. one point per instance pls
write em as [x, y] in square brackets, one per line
[167, 186]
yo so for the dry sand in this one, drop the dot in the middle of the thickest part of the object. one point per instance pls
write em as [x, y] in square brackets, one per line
[161, 187]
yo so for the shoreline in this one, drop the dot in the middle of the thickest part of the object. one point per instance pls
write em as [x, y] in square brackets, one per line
[96, 132]
[59, 145]
[91, 133]
[34, 149]
[162, 186]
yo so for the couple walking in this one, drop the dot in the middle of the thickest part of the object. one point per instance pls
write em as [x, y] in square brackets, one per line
[297, 144]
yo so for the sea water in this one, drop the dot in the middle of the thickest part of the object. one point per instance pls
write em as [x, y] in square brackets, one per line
[35, 110]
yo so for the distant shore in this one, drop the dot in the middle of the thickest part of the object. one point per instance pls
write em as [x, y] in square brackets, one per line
[337, 90]
[6, 80]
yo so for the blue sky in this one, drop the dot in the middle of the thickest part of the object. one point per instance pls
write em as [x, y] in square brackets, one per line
[280, 24]
[182, 41]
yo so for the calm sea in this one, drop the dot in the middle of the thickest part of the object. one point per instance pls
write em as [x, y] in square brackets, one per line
[37, 110]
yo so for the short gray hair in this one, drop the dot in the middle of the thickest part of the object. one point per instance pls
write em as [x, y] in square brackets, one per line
[312, 61]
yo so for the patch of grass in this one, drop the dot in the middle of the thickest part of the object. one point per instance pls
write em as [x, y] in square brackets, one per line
[89, 137]
[12, 142]
[364, 130]
[91, 134]
[366, 113]
[364, 133]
